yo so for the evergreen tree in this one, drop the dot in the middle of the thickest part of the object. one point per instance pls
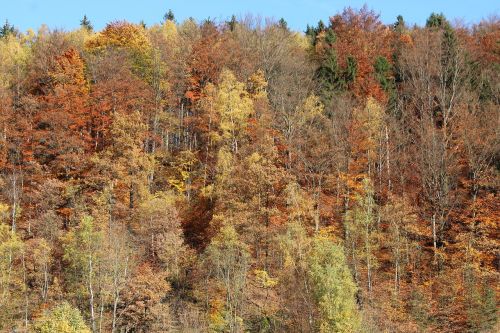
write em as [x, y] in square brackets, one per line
[400, 25]
[436, 20]
[169, 16]
[86, 24]
[232, 23]
[7, 29]
[283, 24]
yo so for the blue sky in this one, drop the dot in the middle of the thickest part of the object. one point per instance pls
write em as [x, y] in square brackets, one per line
[66, 14]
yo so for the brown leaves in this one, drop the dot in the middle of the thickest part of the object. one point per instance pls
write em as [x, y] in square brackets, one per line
[139, 304]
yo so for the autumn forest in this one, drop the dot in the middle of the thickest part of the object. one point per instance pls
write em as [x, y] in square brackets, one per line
[239, 176]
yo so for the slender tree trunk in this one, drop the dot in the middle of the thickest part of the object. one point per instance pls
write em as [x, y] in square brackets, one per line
[388, 160]
[91, 292]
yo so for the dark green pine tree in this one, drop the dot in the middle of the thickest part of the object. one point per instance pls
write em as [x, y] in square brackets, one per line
[436, 20]
[283, 24]
[333, 79]
[232, 23]
[7, 29]
[169, 16]
[86, 24]
[400, 24]
[313, 32]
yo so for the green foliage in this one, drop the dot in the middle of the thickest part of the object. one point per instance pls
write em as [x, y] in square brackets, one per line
[83, 253]
[489, 309]
[333, 286]
[400, 24]
[86, 24]
[384, 75]
[313, 32]
[419, 308]
[332, 78]
[7, 29]
[330, 37]
[283, 24]
[232, 23]
[61, 319]
[481, 303]
[436, 20]
[382, 72]
[169, 16]
[361, 231]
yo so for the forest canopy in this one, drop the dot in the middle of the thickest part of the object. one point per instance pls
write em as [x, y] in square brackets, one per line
[239, 176]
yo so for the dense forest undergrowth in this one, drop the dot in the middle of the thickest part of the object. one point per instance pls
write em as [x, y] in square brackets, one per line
[242, 177]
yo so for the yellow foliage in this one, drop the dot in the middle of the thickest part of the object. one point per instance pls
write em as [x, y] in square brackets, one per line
[122, 35]
[301, 41]
[79, 37]
[207, 191]
[216, 319]
[257, 84]
[181, 170]
[13, 55]
[327, 233]
[300, 204]
[4, 209]
[233, 105]
[225, 162]
[371, 120]
[264, 280]
[310, 110]
[169, 31]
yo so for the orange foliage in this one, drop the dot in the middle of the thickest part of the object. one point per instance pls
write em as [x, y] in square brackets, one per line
[361, 35]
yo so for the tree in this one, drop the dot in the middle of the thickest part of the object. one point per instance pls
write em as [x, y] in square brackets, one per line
[227, 260]
[234, 108]
[60, 134]
[62, 318]
[169, 16]
[400, 24]
[351, 64]
[124, 165]
[127, 37]
[299, 304]
[38, 260]
[159, 225]
[311, 144]
[84, 252]
[7, 29]
[232, 23]
[85, 24]
[361, 233]
[141, 306]
[403, 227]
[11, 281]
[333, 287]
[283, 24]
[434, 97]
[436, 20]
[232, 175]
